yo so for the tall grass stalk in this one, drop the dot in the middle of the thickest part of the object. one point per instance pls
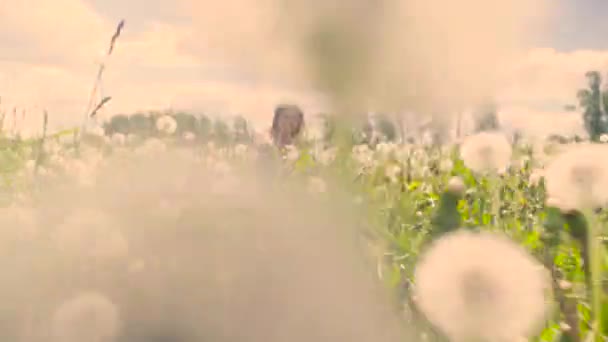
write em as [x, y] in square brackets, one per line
[91, 107]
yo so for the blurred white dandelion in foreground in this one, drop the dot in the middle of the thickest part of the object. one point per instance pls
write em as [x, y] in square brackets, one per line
[17, 224]
[90, 316]
[486, 152]
[481, 286]
[317, 185]
[578, 178]
[90, 233]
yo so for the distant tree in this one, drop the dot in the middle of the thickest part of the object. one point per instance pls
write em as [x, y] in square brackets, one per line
[118, 124]
[486, 118]
[186, 122]
[242, 133]
[204, 128]
[141, 124]
[594, 111]
[221, 132]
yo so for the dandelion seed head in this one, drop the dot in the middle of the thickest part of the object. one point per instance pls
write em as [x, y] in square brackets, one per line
[456, 185]
[486, 152]
[578, 178]
[166, 124]
[480, 286]
[90, 316]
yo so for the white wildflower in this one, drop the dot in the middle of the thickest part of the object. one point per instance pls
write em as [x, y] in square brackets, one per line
[166, 124]
[604, 138]
[481, 286]
[578, 178]
[486, 152]
[90, 316]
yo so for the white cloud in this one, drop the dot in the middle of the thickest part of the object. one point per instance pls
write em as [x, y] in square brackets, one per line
[50, 64]
[547, 76]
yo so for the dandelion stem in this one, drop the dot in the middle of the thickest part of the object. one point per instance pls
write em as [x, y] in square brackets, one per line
[595, 259]
[495, 189]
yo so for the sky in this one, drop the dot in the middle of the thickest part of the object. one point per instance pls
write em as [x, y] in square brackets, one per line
[180, 54]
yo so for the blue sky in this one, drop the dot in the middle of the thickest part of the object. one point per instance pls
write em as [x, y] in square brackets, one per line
[580, 24]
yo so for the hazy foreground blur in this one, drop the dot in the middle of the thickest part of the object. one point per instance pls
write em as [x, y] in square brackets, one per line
[429, 56]
[188, 252]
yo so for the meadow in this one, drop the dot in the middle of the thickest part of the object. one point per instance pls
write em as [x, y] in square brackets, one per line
[132, 232]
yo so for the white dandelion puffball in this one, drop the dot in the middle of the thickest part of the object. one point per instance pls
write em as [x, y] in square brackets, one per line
[90, 233]
[481, 286]
[90, 316]
[578, 178]
[486, 152]
[166, 124]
